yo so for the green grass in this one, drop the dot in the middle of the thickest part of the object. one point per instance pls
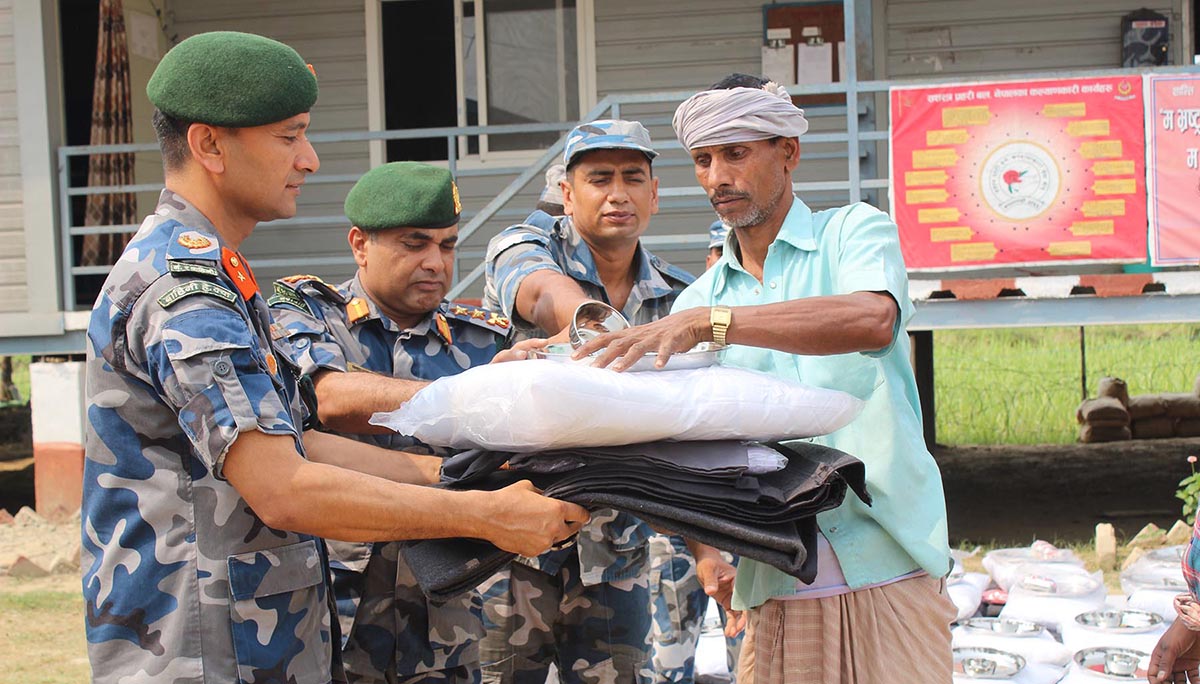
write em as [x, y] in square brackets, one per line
[41, 637]
[1021, 386]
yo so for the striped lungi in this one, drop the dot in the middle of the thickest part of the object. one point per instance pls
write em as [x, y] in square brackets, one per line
[894, 634]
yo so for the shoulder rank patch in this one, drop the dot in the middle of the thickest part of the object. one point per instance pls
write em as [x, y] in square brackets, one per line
[443, 327]
[185, 267]
[293, 279]
[196, 287]
[285, 295]
[357, 309]
[193, 240]
[489, 319]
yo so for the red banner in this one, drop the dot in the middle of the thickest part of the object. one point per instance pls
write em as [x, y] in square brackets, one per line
[1172, 148]
[1019, 173]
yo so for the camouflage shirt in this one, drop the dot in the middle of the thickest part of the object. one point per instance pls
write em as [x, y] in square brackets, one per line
[182, 582]
[380, 606]
[612, 545]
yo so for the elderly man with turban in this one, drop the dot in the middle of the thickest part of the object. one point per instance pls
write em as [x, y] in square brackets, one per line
[819, 297]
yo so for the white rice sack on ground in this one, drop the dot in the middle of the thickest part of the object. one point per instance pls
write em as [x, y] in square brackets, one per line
[1052, 596]
[966, 591]
[1004, 564]
[539, 404]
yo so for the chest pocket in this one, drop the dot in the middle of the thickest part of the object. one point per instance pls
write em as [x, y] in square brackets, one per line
[280, 619]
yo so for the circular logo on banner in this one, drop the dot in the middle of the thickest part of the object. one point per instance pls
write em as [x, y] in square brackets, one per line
[1020, 180]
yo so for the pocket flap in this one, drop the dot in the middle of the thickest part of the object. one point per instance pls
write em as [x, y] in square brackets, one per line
[275, 571]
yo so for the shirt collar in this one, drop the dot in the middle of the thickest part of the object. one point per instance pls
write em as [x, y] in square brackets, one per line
[357, 290]
[797, 231]
[174, 206]
[575, 249]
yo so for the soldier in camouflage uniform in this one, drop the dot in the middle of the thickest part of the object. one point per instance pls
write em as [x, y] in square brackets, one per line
[196, 464]
[368, 345]
[586, 608]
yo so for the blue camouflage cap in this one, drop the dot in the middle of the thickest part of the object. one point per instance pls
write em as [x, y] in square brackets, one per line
[607, 134]
[716, 234]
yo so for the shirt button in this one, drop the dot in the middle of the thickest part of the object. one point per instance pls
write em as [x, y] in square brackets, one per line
[757, 291]
[833, 529]
[222, 367]
[772, 284]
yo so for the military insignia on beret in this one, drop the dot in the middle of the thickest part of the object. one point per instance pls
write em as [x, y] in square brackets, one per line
[272, 364]
[357, 309]
[498, 320]
[311, 70]
[457, 200]
[443, 328]
[193, 240]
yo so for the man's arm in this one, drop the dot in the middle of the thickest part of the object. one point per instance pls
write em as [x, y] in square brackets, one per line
[837, 324]
[548, 299]
[346, 401]
[312, 497]
[398, 466]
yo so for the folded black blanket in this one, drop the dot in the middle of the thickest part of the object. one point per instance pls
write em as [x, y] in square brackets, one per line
[770, 518]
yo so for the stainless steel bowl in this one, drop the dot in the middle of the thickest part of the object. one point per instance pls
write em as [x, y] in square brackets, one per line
[986, 663]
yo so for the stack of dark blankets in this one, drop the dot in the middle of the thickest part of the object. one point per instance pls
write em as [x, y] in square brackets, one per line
[702, 490]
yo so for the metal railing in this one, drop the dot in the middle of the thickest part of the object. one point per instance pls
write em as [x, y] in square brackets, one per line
[863, 173]
[609, 107]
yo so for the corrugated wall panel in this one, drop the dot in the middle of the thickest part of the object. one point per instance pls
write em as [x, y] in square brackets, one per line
[12, 230]
[979, 37]
[330, 34]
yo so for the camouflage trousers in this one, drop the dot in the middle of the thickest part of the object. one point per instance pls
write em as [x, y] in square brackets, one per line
[393, 634]
[594, 634]
[679, 605]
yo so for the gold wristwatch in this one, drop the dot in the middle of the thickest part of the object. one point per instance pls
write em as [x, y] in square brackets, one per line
[719, 317]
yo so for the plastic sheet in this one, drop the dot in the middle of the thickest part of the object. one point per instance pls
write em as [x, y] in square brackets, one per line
[1003, 564]
[539, 405]
[1053, 596]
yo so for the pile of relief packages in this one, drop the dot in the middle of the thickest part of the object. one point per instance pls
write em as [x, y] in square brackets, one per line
[701, 451]
[1057, 622]
[705, 452]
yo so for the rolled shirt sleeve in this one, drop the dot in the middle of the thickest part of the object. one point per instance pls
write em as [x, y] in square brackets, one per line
[511, 256]
[870, 260]
[212, 370]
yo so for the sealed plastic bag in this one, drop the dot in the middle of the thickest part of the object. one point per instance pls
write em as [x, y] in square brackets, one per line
[537, 405]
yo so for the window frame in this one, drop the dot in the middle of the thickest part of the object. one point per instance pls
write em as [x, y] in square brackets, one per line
[376, 114]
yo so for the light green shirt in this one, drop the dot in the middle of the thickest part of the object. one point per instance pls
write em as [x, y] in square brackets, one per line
[833, 252]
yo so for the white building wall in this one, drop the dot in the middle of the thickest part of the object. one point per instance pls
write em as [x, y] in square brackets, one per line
[13, 287]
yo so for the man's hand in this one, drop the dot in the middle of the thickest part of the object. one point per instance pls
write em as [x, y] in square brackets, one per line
[1176, 658]
[522, 521]
[716, 576]
[673, 334]
[520, 351]
[735, 622]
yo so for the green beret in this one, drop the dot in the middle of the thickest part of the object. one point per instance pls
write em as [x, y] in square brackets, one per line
[404, 195]
[232, 79]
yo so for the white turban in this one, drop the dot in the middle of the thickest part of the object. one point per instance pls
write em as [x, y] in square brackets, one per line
[723, 117]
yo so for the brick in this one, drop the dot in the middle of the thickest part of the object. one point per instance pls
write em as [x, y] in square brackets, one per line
[26, 569]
